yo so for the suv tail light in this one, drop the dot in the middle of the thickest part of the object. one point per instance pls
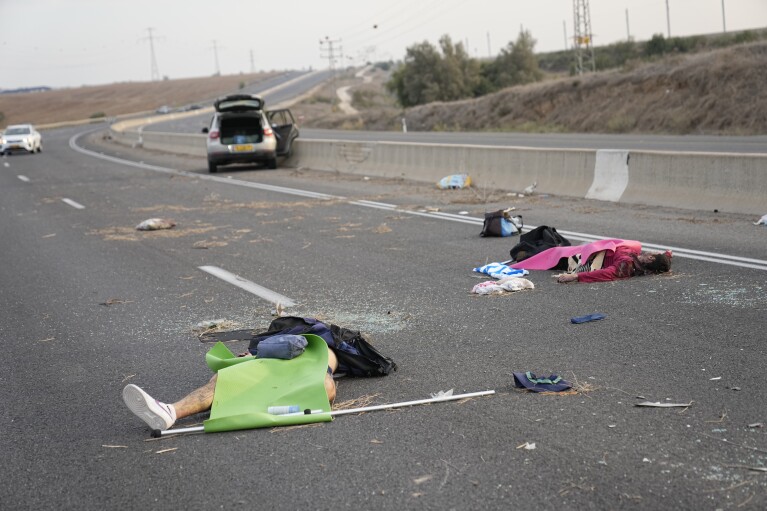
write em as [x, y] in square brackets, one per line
[268, 132]
[213, 135]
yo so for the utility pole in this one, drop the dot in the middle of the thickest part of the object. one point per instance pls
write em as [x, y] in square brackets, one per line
[327, 52]
[724, 23]
[252, 65]
[584, 51]
[628, 31]
[215, 54]
[155, 73]
[564, 27]
[668, 19]
[489, 51]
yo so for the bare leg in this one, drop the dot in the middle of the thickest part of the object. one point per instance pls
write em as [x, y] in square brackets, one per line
[196, 401]
[330, 384]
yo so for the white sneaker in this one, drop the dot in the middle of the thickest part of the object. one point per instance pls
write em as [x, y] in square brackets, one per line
[155, 413]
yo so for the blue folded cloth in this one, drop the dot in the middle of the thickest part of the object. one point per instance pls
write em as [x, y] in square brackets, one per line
[281, 346]
[589, 317]
[500, 270]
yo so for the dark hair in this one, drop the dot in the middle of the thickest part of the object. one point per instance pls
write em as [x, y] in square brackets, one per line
[660, 264]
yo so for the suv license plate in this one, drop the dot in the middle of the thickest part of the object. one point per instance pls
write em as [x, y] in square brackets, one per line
[241, 148]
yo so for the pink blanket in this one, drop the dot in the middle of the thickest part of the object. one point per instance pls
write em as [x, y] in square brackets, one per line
[549, 258]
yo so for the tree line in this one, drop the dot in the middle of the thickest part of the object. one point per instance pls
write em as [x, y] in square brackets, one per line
[447, 73]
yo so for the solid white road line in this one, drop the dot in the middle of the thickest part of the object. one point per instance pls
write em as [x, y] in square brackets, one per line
[23, 178]
[250, 287]
[72, 203]
[742, 262]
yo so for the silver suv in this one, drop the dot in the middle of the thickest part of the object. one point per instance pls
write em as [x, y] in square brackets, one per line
[241, 131]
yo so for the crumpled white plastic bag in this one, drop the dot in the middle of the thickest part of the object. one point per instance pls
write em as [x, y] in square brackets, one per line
[155, 224]
[508, 284]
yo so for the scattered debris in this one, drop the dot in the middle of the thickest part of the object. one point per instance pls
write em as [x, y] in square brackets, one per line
[529, 381]
[278, 310]
[747, 467]
[442, 393]
[454, 181]
[422, 479]
[500, 270]
[463, 212]
[214, 325]
[658, 404]
[530, 189]
[115, 446]
[527, 446]
[501, 223]
[376, 441]
[715, 378]
[762, 221]
[113, 301]
[46, 340]
[49, 235]
[589, 317]
[166, 450]
[503, 285]
[756, 425]
[154, 224]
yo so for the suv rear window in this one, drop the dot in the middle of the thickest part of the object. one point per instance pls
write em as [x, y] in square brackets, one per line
[239, 103]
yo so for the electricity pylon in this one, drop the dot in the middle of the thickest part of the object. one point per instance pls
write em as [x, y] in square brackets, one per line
[584, 51]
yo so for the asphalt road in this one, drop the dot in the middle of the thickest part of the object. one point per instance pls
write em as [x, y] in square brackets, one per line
[89, 304]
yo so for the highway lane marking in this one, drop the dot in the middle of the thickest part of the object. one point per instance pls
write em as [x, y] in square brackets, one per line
[72, 203]
[251, 287]
[23, 178]
[742, 262]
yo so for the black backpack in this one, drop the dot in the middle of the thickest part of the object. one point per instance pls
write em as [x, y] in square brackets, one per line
[356, 356]
[536, 241]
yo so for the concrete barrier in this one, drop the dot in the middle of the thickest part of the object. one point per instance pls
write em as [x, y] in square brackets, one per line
[728, 182]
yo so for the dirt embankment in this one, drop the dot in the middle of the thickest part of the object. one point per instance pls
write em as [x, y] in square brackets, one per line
[717, 92]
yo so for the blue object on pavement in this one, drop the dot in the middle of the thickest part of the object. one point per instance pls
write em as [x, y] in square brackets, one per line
[589, 317]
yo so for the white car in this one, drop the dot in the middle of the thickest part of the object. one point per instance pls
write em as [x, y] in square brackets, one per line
[21, 137]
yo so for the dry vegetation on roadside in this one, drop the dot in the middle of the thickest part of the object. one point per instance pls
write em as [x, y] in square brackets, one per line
[74, 104]
[715, 92]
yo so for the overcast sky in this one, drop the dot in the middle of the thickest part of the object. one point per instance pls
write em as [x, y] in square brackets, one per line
[68, 43]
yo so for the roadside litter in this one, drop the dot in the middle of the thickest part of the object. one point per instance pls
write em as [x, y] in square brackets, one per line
[589, 317]
[503, 285]
[658, 404]
[530, 381]
[454, 182]
[500, 270]
[762, 221]
[155, 224]
[501, 223]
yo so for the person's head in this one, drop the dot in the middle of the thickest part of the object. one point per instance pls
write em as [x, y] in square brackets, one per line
[655, 262]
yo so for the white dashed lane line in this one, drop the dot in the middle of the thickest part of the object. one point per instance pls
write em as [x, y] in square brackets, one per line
[72, 203]
[23, 178]
[250, 287]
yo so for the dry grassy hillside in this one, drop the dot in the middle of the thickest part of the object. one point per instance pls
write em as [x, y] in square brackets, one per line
[717, 92]
[61, 105]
